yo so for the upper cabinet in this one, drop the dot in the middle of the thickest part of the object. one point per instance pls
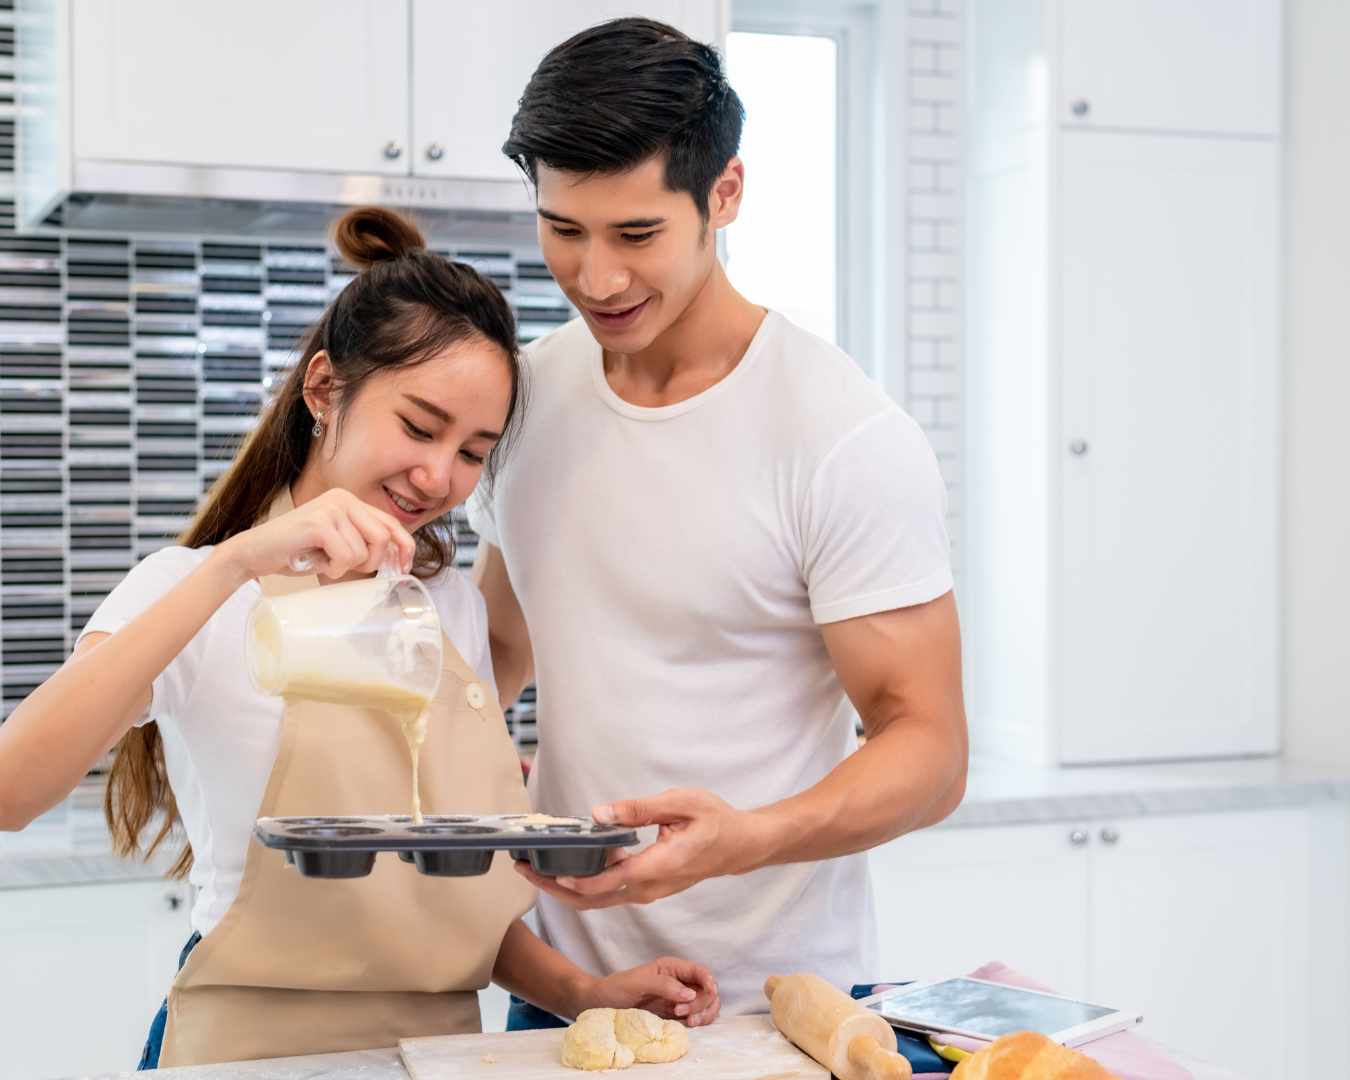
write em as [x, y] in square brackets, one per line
[470, 63]
[1168, 280]
[308, 103]
[308, 84]
[1122, 379]
[1198, 67]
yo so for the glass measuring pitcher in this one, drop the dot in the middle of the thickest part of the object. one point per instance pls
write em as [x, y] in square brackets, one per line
[374, 643]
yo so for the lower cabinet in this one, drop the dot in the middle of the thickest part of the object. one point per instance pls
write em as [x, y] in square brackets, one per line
[948, 900]
[1203, 923]
[82, 970]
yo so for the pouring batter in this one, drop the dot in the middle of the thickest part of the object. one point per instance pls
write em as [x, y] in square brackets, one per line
[318, 647]
[404, 393]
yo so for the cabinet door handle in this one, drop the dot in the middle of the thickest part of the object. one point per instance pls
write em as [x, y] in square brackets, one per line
[393, 151]
[1080, 108]
[1078, 837]
[435, 152]
[173, 901]
[1110, 835]
[1078, 447]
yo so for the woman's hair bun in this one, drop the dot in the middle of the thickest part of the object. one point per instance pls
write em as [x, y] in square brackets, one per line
[366, 235]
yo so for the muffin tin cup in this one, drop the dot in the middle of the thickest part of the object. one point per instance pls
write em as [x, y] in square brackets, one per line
[444, 845]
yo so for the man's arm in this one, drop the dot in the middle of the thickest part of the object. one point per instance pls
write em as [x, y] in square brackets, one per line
[902, 671]
[508, 637]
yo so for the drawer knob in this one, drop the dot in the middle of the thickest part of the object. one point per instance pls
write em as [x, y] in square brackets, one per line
[1110, 835]
[1078, 837]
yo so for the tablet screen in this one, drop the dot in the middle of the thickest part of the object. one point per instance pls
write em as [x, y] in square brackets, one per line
[986, 1009]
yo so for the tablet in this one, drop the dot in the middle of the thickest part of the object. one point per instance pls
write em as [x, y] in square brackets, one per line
[986, 1010]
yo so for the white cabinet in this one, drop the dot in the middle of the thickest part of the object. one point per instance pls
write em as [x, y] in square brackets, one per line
[1203, 66]
[401, 88]
[1122, 384]
[243, 112]
[1168, 274]
[85, 967]
[308, 84]
[950, 900]
[470, 63]
[1203, 923]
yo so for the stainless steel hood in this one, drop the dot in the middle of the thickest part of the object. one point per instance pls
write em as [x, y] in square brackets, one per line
[127, 197]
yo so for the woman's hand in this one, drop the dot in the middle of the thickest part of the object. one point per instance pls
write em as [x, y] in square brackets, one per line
[342, 534]
[669, 987]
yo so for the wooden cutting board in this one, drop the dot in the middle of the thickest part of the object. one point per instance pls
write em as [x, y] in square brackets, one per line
[736, 1048]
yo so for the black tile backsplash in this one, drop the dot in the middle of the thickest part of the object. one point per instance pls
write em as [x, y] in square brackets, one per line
[130, 369]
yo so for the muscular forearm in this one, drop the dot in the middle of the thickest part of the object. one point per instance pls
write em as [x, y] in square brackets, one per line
[907, 776]
[542, 976]
[64, 726]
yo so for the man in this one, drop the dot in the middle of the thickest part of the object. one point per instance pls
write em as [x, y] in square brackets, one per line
[714, 533]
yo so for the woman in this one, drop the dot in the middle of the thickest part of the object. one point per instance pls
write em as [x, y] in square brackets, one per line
[406, 389]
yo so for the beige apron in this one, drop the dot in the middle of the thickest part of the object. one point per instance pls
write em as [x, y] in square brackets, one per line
[310, 965]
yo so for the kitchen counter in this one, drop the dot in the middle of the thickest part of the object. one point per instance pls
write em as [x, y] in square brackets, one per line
[1010, 793]
[385, 1065]
[70, 847]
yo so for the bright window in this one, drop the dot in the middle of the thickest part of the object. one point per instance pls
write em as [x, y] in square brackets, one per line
[782, 251]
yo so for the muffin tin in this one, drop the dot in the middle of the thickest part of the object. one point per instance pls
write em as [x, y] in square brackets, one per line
[444, 845]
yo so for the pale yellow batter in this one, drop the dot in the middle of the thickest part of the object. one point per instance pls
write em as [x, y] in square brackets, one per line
[408, 708]
[535, 820]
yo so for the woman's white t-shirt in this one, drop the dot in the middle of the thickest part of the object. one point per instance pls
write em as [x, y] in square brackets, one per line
[220, 733]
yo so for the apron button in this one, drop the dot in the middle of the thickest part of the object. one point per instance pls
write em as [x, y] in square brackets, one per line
[473, 694]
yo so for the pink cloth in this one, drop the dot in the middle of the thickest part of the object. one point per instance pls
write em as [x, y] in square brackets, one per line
[1123, 1053]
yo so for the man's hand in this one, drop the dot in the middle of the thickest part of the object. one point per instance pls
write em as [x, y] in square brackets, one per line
[701, 837]
[902, 671]
[669, 987]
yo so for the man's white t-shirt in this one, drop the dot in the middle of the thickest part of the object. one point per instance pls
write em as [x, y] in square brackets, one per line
[220, 732]
[674, 565]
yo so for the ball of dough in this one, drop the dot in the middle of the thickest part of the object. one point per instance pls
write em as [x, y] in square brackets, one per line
[590, 1043]
[615, 1038]
[651, 1039]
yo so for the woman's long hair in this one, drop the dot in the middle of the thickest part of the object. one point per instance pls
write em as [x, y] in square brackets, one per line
[404, 307]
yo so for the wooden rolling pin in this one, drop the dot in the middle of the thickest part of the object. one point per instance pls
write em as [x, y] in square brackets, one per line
[847, 1039]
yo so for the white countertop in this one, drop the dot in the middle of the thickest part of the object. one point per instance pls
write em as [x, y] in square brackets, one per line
[385, 1065]
[1007, 793]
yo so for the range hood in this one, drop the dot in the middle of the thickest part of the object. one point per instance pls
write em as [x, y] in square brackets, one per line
[134, 197]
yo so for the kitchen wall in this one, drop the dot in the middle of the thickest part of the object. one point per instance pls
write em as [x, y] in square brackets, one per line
[933, 188]
[130, 367]
[1317, 383]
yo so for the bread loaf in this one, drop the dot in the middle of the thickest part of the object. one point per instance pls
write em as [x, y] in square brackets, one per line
[1026, 1055]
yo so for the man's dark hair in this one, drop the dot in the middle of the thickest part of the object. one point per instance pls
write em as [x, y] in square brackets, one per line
[619, 93]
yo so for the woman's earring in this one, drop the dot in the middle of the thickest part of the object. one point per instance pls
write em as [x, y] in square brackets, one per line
[318, 425]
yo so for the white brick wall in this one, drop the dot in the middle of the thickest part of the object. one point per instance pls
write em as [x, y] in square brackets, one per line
[933, 256]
